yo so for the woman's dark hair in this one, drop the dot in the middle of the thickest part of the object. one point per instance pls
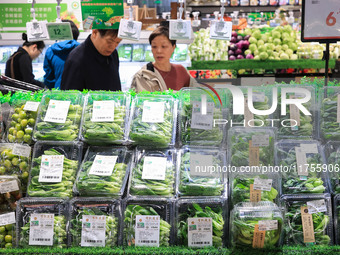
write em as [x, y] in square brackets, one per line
[75, 31]
[110, 32]
[161, 30]
[40, 44]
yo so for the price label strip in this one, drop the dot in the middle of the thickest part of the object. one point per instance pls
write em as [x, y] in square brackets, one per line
[258, 238]
[199, 232]
[262, 184]
[59, 31]
[153, 112]
[254, 155]
[255, 195]
[21, 150]
[267, 225]
[41, 229]
[57, 111]
[31, 106]
[154, 168]
[316, 206]
[51, 168]
[8, 186]
[103, 165]
[147, 230]
[202, 121]
[93, 231]
[103, 111]
[260, 140]
[7, 218]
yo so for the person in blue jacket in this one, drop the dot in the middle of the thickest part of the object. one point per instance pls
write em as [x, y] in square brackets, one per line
[56, 56]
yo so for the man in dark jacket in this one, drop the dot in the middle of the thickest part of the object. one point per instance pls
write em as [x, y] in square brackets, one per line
[94, 64]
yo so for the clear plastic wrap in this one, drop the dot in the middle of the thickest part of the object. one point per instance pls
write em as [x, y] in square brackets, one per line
[94, 222]
[149, 208]
[138, 53]
[329, 117]
[54, 169]
[332, 154]
[7, 230]
[251, 146]
[206, 178]
[301, 165]
[153, 173]
[10, 193]
[42, 222]
[249, 221]
[319, 209]
[212, 210]
[59, 116]
[153, 120]
[105, 118]
[104, 172]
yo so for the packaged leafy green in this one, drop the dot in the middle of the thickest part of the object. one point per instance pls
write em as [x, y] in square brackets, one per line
[251, 146]
[138, 53]
[301, 167]
[153, 120]
[329, 119]
[7, 230]
[103, 172]
[54, 169]
[308, 220]
[10, 193]
[180, 53]
[153, 173]
[94, 222]
[42, 222]
[105, 118]
[59, 116]
[201, 172]
[256, 225]
[332, 154]
[201, 222]
[147, 222]
[148, 54]
[125, 52]
[336, 210]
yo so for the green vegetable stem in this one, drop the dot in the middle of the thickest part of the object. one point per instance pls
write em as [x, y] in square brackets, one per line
[330, 128]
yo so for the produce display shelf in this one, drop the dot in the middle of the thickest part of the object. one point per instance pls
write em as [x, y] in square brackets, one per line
[258, 64]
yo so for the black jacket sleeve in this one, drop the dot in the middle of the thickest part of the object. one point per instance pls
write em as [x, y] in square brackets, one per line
[25, 65]
[73, 76]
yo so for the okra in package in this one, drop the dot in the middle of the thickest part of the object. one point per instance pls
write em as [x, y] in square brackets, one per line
[10, 193]
[94, 222]
[105, 118]
[54, 169]
[153, 173]
[104, 172]
[42, 222]
[59, 116]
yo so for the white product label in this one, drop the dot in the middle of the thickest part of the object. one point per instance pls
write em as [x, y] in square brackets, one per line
[41, 229]
[147, 230]
[51, 168]
[7, 218]
[199, 232]
[8, 186]
[201, 120]
[260, 140]
[266, 225]
[262, 184]
[93, 230]
[154, 168]
[259, 97]
[309, 148]
[180, 29]
[31, 106]
[129, 29]
[103, 165]
[220, 29]
[301, 162]
[57, 111]
[103, 111]
[202, 165]
[316, 206]
[153, 112]
[21, 150]
[338, 110]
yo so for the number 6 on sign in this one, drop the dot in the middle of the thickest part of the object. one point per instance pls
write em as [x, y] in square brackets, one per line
[331, 20]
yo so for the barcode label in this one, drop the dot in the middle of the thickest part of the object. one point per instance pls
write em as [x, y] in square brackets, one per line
[147, 230]
[200, 243]
[93, 230]
[93, 241]
[202, 121]
[8, 186]
[51, 168]
[31, 106]
[42, 239]
[103, 111]
[154, 168]
[199, 232]
[147, 241]
[57, 111]
[41, 229]
[7, 218]
[21, 150]
[153, 112]
[103, 165]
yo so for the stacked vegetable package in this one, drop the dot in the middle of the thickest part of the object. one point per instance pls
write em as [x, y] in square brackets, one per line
[332, 168]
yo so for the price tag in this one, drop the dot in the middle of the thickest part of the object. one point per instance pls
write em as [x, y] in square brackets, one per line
[129, 29]
[21, 150]
[147, 230]
[316, 206]
[36, 31]
[199, 232]
[201, 165]
[103, 165]
[31, 106]
[93, 230]
[262, 184]
[254, 155]
[153, 112]
[41, 229]
[220, 30]
[180, 29]
[202, 121]
[309, 148]
[59, 31]
[255, 195]
[260, 140]
[266, 225]
[7, 218]
[301, 162]
[103, 111]
[51, 168]
[154, 168]
[8, 186]
[307, 226]
[258, 238]
[57, 111]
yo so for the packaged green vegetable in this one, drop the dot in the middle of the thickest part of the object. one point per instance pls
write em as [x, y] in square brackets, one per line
[336, 210]
[332, 154]
[201, 172]
[125, 52]
[153, 173]
[148, 54]
[147, 222]
[7, 230]
[10, 193]
[104, 172]
[180, 53]
[94, 222]
[311, 214]
[201, 222]
[301, 163]
[153, 120]
[54, 168]
[59, 116]
[42, 222]
[251, 146]
[15, 160]
[329, 120]
[105, 118]
[138, 53]
[250, 222]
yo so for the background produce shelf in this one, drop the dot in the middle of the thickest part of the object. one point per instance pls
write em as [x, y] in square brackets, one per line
[258, 64]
